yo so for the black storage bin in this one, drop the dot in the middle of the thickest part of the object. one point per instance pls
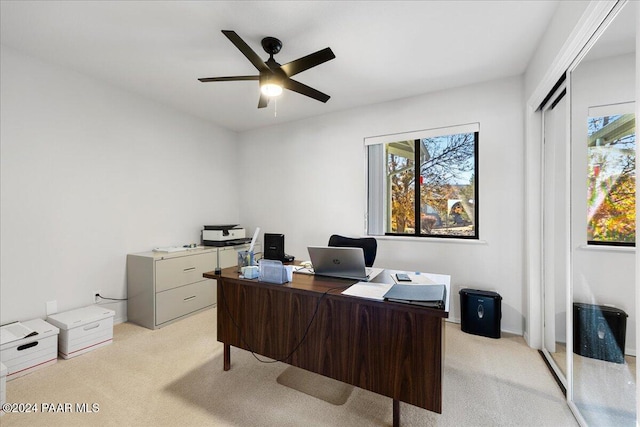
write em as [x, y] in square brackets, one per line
[480, 312]
[599, 332]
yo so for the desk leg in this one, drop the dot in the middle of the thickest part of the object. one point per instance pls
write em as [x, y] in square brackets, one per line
[227, 357]
[396, 413]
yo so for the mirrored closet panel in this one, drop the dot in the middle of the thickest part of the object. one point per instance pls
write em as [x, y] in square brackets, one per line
[602, 360]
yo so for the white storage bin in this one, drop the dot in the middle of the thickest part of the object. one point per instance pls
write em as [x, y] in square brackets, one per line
[3, 386]
[83, 330]
[28, 354]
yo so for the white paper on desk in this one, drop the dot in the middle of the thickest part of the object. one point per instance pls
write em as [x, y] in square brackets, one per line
[14, 331]
[302, 269]
[368, 290]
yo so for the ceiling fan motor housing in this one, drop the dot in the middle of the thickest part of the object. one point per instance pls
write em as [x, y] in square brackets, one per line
[271, 45]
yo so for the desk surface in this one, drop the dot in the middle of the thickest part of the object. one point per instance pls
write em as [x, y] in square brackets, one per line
[334, 286]
[392, 349]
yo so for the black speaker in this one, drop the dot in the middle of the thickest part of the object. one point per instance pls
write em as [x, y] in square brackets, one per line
[273, 246]
[599, 332]
[480, 312]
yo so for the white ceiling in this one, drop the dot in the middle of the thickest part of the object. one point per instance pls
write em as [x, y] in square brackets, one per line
[384, 50]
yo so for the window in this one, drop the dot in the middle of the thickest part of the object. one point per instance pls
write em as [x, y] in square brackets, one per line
[424, 183]
[611, 177]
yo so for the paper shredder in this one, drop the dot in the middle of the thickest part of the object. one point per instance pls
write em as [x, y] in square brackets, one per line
[599, 332]
[480, 312]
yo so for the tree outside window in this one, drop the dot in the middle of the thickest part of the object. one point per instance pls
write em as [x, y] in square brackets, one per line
[431, 186]
[611, 180]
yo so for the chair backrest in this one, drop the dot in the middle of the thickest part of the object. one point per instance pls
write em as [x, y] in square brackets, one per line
[368, 244]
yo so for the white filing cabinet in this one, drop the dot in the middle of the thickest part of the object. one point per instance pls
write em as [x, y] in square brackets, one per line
[228, 256]
[164, 287]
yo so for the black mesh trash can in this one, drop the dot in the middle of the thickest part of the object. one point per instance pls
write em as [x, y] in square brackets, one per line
[480, 312]
[599, 332]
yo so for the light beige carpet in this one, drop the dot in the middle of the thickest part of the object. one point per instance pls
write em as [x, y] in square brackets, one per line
[174, 377]
[605, 392]
[325, 388]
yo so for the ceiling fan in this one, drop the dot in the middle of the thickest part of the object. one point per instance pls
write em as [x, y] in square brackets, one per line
[274, 77]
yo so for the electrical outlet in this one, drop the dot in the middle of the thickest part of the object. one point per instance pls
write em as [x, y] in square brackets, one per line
[94, 298]
[52, 307]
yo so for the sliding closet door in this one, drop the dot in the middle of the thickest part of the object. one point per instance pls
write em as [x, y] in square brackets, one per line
[603, 218]
[555, 232]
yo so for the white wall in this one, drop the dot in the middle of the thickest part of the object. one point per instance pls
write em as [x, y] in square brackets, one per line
[90, 173]
[600, 275]
[307, 180]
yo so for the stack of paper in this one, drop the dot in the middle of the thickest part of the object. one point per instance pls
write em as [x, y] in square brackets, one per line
[15, 331]
[368, 290]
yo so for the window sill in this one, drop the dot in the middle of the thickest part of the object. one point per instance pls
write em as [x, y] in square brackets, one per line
[603, 248]
[430, 239]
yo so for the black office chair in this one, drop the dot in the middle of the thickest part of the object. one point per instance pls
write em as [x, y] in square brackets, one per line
[368, 244]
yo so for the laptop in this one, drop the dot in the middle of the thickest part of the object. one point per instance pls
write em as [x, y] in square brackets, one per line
[343, 262]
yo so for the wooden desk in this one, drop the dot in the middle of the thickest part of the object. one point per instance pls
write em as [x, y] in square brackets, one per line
[389, 348]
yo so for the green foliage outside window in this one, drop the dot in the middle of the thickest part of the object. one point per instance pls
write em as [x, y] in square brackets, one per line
[445, 187]
[611, 180]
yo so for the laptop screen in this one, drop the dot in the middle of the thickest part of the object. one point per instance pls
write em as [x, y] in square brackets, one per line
[345, 262]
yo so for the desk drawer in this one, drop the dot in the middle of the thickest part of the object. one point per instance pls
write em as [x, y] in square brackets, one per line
[174, 272]
[180, 301]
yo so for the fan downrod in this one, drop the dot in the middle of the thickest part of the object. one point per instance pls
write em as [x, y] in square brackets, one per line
[271, 45]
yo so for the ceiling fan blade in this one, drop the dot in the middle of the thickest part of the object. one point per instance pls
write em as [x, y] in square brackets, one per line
[227, 79]
[305, 90]
[246, 50]
[299, 65]
[263, 101]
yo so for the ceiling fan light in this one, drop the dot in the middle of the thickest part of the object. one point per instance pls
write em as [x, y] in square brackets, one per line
[271, 89]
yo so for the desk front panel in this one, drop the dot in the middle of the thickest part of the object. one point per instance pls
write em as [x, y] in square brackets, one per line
[387, 348]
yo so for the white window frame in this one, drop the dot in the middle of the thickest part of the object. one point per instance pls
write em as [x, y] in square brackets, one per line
[375, 191]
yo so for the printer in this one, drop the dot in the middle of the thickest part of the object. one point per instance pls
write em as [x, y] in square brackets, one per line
[224, 235]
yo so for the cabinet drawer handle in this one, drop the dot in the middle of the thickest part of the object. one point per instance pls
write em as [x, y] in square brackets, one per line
[26, 346]
[189, 298]
[189, 269]
[89, 327]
